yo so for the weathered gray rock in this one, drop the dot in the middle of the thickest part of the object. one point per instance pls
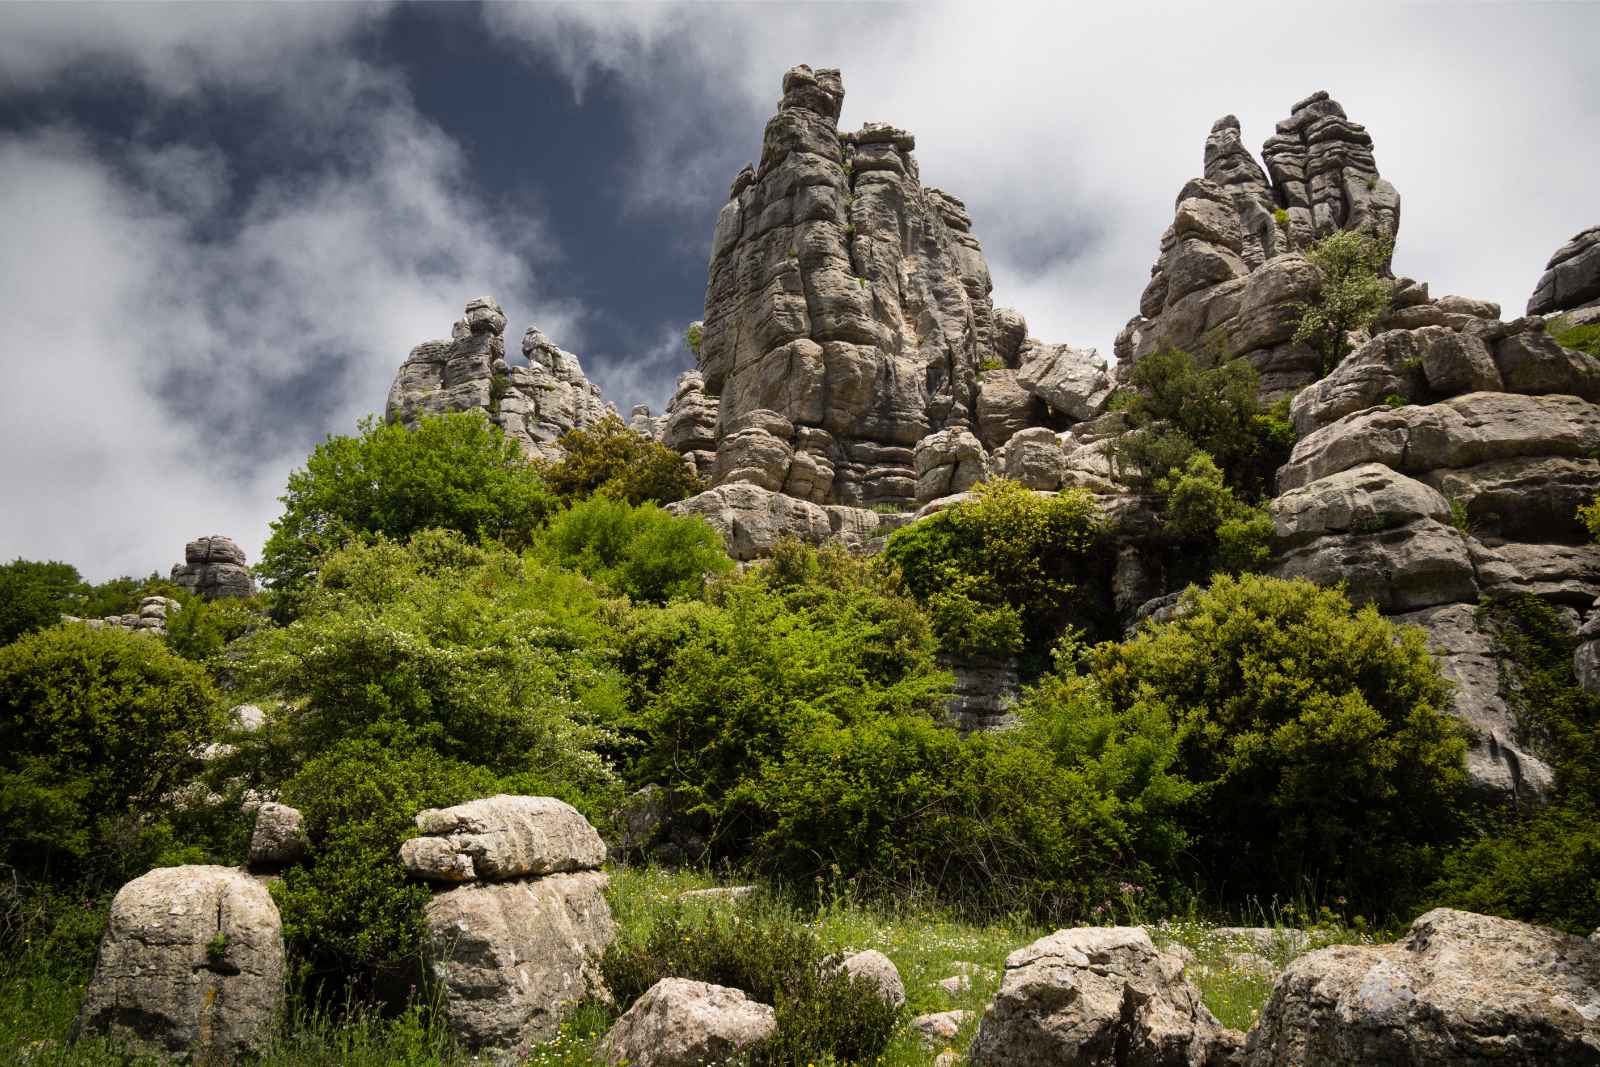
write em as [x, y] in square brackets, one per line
[513, 957]
[1530, 361]
[1004, 407]
[1035, 457]
[880, 970]
[1417, 565]
[950, 461]
[1073, 382]
[1571, 278]
[681, 1023]
[500, 838]
[191, 964]
[753, 519]
[939, 1029]
[214, 567]
[1365, 499]
[1415, 365]
[1098, 996]
[279, 837]
[985, 692]
[1458, 989]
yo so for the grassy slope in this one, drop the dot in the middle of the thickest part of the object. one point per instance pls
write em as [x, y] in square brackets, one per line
[926, 944]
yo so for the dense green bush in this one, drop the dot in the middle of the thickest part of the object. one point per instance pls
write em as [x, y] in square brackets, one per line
[1353, 292]
[1181, 404]
[201, 629]
[823, 1013]
[96, 727]
[642, 551]
[1540, 865]
[610, 459]
[1007, 569]
[33, 595]
[455, 472]
[1210, 527]
[1312, 747]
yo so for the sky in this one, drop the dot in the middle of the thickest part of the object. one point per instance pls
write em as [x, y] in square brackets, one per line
[223, 226]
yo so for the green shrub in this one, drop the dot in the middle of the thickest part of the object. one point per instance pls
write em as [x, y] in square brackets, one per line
[1313, 737]
[1007, 553]
[1352, 294]
[989, 363]
[1209, 525]
[201, 628]
[1540, 865]
[823, 1013]
[611, 460]
[1584, 339]
[1281, 217]
[96, 727]
[1181, 404]
[642, 551]
[455, 472]
[692, 336]
[1589, 515]
[33, 595]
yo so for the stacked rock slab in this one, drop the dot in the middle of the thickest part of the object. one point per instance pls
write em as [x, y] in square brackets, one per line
[1099, 997]
[518, 919]
[214, 567]
[1458, 989]
[191, 964]
[151, 618]
[1571, 279]
[1440, 466]
[1230, 275]
[533, 404]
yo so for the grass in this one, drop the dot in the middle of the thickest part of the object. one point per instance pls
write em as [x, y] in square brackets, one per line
[927, 943]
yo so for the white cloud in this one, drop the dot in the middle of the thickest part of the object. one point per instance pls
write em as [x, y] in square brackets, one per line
[1069, 129]
[167, 364]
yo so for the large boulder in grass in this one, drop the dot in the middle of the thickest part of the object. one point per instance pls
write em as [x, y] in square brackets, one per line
[880, 970]
[1458, 989]
[681, 1023]
[1099, 997]
[191, 964]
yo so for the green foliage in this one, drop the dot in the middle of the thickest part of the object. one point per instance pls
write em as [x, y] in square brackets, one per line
[692, 336]
[455, 472]
[33, 595]
[96, 726]
[989, 363]
[1281, 217]
[1203, 516]
[217, 947]
[1589, 515]
[611, 460]
[1395, 400]
[201, 628]
[822, 1011]
[642, 551]
[1584, 339]
[1310, 742]
[1541, 865]
[1353, 293]
[1183, 405]
[1007, 557]
[1458, 516]
[499, 386]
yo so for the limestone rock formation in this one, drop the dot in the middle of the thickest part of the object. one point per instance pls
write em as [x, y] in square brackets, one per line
[880, 970]
[682, 1023]
[1098, 996]
[753, 519]
[515, 948]
[1229, 275]
[1458, 989]
[1572, 277]
[191, 964]
[848, 317]
[151, 618]
[533, 403]
[279, 837]
[214, 567]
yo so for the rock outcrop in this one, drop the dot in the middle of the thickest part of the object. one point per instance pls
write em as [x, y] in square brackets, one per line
[1230, 276]
[515, 947]
[214, 567]
[534, 403]
[1458, 989]
[1572, 277]
[682, 1023]
[151, 618]
[191, 964]
[1099, 996]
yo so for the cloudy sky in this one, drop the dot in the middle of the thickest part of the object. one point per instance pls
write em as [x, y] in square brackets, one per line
[223, 226]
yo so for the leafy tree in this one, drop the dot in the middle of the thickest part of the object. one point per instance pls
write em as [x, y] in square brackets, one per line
[1008, 569]
[1353, 293]
[201, 629]
[33, 595]
[96, 726]
[1208, 523]
[1180, 405]
[642, 551]
[1310, 740]
[610, 459]
[455, 472]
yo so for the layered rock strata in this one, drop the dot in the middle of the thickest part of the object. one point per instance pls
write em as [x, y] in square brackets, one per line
[1230, 274]
[518, 919]
[151, 618]
[214, 567]
[191, 965]
[534, 402]
[1572, 277]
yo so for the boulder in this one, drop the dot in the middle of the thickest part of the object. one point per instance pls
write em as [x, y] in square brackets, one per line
[191, 964]
[279, 838]
[939, 1029]
[880, 970]
[752, 519]
[513, 957]
[1571, 278]
[214, 568]
[1073, 382]
[1458, 989]
[681, 1023]
[950, 461]
[1098, 996]
[500, 838]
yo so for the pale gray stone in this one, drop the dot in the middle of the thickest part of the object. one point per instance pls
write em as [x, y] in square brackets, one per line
[682, 1023]
[191, 964]
[940, 1029]
[880, 970]
[279, 838]
[500, 838]
[1072, 381]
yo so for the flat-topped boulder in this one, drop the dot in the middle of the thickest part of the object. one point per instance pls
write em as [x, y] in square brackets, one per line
[501, 838]
[214, 567]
